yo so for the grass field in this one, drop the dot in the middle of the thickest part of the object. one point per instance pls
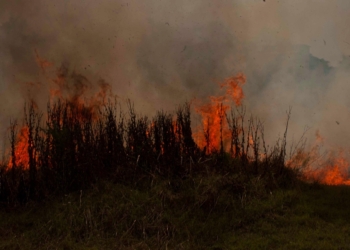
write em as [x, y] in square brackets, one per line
[167, 216]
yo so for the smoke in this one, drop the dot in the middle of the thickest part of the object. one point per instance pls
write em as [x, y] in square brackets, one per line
[162, 53]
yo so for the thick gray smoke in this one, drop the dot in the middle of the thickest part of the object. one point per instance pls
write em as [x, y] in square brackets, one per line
[162, 53]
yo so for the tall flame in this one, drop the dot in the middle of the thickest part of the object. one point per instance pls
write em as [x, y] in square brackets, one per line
[213, 135]
[21, 150]
[71, 87]
[214, 122]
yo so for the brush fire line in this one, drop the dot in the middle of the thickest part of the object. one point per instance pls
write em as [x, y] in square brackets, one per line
[215, 133]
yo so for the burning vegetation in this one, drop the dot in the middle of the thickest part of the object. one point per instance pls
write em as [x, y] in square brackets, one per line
[216, 133]
[85, 135]
[330, 168]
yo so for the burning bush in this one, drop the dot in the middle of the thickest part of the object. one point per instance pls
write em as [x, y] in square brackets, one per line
[85, 136]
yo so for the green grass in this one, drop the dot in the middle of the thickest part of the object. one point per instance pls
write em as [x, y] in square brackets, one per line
[311, 218]
[200, 213]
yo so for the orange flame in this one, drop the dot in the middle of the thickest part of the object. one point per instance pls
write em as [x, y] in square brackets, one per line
[214, 122]
[234, 88]
[21, 150]
[78, 91]
[71, 87]
[333, 169]
[335, 173]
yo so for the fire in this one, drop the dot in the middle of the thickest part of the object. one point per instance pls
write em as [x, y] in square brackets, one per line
[214, 122]
[76, 91]
[335, 173]
[214, 134]
[234, 88]
[72, 88]
[329, 169]
[21, 150]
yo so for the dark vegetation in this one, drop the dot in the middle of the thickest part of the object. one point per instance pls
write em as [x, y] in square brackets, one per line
[120, 180]
[77, 145]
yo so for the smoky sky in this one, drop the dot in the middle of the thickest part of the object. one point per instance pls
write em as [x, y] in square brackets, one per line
[162, 53]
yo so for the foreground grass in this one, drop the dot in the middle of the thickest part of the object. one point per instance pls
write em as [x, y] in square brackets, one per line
[315, 217]
[201, 213]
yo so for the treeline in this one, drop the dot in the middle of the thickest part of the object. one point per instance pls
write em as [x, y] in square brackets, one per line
[72, 146]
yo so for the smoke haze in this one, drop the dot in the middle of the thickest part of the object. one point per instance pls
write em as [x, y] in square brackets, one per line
[162, 53]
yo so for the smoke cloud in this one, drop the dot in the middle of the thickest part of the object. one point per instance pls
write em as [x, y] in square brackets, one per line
[162, 53]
